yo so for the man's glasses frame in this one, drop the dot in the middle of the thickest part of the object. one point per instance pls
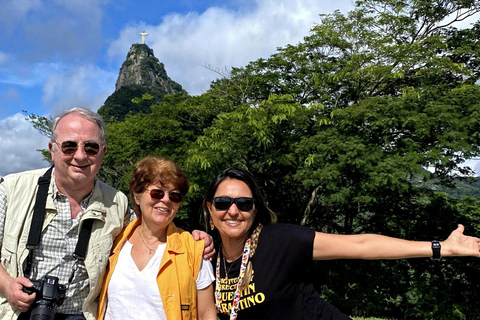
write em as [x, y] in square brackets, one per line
[223, 203]
[69, 147]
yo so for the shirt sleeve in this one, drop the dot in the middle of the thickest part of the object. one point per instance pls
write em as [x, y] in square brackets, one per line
[205, 275]
[290, 246]
[3, 209]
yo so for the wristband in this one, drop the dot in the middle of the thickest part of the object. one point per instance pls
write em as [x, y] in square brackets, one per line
[436, 247]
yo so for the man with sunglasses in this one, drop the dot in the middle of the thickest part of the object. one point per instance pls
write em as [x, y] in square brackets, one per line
[77, 147]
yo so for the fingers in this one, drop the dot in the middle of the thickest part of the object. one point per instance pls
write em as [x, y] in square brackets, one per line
[196, 235]
[18, 299]
[23, 306]
[209, 252]
[24, 282]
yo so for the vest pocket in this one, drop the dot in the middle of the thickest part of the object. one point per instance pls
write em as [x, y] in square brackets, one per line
[97, 258]
[9, 262]
[186, 312]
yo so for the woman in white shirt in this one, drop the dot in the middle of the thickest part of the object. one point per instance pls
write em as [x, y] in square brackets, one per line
[156, 270]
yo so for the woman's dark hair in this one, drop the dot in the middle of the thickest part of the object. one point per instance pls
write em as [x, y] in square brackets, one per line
[264, 214]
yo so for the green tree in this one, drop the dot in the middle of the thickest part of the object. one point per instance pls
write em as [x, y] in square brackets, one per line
[393, 92]
[340, 130]
[43, 125]
[168, 130]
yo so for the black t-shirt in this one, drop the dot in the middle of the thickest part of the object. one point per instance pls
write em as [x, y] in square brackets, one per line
[278, 289]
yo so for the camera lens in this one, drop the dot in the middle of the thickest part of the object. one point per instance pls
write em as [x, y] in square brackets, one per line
[50, 295]
[43, 311]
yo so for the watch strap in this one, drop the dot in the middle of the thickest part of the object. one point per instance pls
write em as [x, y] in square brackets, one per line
[436, 248]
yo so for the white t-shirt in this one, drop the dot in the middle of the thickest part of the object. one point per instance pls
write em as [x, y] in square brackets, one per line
[134, 294]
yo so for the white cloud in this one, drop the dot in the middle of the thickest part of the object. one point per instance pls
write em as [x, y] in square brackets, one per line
[467, 23]
[474, 164]
[18, 144]
[14, 13]
[86, 86]
[223, 38]
[63, 30]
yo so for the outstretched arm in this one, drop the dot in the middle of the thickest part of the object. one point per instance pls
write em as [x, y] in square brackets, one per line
[373, 246]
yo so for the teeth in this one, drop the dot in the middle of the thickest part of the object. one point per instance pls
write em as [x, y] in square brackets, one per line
[232, 221]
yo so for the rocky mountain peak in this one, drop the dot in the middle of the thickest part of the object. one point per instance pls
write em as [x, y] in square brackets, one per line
[141, 73]
[142, 68]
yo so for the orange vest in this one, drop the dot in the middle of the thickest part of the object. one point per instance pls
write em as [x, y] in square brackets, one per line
[176, 277]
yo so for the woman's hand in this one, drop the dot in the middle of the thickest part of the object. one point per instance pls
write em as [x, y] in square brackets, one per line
[209, 250]
[458, 244]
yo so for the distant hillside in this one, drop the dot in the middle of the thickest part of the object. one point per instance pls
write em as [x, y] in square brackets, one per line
[462, 188]
[465, 188]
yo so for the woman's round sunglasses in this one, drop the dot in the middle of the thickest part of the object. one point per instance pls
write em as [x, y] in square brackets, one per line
[158, 194]
[70, 147]
[242, 203]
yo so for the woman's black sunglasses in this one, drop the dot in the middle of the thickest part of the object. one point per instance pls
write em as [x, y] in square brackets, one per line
[242, 203]
[158, 194]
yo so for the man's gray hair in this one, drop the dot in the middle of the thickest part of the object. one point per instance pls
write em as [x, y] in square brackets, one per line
[84, 112]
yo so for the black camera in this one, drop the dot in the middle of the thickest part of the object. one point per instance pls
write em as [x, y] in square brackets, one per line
[50, 295]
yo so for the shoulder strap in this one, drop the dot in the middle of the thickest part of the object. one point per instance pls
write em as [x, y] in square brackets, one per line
[82, 245]
[39, 210]
[37, 219]
[83, 239]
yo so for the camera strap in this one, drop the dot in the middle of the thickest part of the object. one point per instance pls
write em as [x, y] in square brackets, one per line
[37, 219]
[36, 228]
[82, 245]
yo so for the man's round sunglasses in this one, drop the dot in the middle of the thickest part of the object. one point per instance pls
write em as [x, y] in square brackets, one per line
[158, 194]
[70, 147]
[242, 203]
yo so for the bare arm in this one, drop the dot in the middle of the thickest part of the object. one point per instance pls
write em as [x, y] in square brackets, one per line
[12, 290]
[205, 304]
[373, 246]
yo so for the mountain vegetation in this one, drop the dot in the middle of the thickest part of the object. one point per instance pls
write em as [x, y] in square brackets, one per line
[339, 130]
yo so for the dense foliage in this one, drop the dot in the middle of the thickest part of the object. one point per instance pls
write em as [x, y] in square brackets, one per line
[340, 130]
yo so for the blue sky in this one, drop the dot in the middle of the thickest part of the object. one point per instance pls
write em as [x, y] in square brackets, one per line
[56, 54]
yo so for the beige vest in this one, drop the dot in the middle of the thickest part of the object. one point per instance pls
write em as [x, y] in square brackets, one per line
[107, 206]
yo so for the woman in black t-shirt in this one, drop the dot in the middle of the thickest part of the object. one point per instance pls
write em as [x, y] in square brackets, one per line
[260, 265]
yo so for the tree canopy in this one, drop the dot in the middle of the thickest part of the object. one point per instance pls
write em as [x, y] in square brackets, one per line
[353, 130]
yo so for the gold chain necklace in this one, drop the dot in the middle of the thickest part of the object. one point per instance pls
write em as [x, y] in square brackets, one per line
[149, 250]
[225, 267]
[231, 265]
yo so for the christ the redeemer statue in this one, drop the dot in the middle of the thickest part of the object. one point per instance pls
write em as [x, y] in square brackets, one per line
[143, 34]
